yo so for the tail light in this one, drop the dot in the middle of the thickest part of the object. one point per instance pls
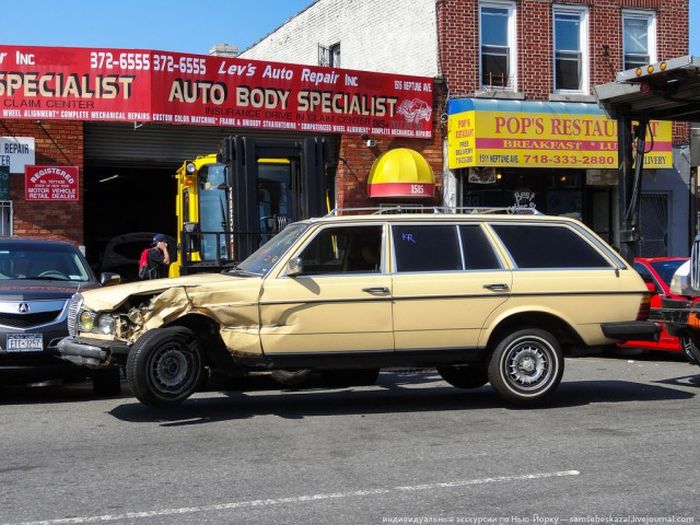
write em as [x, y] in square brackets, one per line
[644, 307]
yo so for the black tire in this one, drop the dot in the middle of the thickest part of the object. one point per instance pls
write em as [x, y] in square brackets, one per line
[291, 377]
[350, 377]
[468, 376]
[526, 366]
[107, 382]
[690, 350]
[164, 366]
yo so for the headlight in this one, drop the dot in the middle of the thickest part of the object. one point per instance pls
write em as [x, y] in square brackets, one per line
[86, 321]
[680, 282]
[105, 324]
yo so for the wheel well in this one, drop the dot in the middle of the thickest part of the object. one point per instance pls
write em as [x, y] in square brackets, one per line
[206, 330]
[560, 329]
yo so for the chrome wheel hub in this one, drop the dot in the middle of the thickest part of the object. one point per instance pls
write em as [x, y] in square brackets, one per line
[170, 369]
[527, 365]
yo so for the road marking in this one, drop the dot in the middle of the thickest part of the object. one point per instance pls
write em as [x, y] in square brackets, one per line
[293, 499]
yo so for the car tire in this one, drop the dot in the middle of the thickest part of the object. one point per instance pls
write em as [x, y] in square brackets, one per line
[164, 366]
[107, 382]
[291, 377]
[691, 352]
[468, 376]
[526, 366]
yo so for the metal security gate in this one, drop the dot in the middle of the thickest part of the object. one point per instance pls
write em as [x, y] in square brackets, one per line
[653, 225]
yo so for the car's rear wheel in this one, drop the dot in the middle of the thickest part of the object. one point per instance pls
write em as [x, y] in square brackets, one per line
[107, 382]
[526, 366]
[692, 352]
[472, 375]
[164, 366]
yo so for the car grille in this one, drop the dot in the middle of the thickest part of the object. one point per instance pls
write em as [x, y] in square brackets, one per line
[27, 320]
[695, 265]
[73, 308]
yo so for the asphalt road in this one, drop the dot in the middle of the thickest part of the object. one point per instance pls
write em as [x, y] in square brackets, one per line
[620, 439]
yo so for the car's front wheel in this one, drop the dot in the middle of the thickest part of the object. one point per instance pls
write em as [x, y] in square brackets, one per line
[164, 366]
[526, 366]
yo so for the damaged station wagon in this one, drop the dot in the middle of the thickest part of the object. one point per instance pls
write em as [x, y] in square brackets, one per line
[482, 296]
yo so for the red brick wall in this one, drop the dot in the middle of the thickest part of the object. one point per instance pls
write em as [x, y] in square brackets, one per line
[458, 42]
[356, 160]
[57, 143]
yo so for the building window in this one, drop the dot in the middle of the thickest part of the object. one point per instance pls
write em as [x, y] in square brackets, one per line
[571, 49]
[497, 44]
[5, 218]
[638, 38]
[329, 56]
[334, 54]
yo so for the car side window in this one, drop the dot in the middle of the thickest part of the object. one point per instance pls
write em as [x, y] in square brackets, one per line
[350, 249]
[644, 272]
[539, 246]
[426, 248]
[478, 252]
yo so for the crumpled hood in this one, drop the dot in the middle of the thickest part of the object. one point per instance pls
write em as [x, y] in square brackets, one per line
[110, 297]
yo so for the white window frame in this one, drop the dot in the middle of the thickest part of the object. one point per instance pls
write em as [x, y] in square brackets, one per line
[512, 81]
[584, 43]
[6, 210]
[650, 18]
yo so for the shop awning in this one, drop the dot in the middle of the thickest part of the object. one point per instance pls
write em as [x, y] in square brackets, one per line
[669, 90]
[401, 172]
[541, 134]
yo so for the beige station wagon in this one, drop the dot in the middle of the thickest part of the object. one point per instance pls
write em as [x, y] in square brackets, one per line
[484, 297]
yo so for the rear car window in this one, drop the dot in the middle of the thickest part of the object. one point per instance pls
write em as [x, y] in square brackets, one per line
[426, 248]
[543, 246]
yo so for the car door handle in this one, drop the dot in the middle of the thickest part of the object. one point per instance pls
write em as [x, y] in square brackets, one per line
[377, 290]
[498, 287]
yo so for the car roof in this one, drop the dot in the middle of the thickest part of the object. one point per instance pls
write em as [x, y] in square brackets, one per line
[660, 259]
[437, 217]
[35, 242]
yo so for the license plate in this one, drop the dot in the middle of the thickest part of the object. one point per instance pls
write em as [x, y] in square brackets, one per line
[25, 342]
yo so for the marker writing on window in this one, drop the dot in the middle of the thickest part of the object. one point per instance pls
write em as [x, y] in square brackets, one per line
[408, 237]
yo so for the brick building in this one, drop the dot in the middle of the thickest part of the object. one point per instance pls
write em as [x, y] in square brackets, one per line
[505, 62]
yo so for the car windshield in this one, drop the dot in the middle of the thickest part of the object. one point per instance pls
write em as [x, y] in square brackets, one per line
[41, 261]
[263, 259]
[666, 269]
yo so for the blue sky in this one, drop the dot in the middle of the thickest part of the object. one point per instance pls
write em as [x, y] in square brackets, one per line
[191, 26]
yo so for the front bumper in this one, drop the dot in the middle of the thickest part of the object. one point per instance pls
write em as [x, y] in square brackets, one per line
[674, 313]
[93, 353]
[631, 330]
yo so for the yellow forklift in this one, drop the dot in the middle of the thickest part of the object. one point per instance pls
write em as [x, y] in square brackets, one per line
[230, 203]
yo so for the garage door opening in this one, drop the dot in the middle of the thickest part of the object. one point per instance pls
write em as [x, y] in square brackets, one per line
[121, 201]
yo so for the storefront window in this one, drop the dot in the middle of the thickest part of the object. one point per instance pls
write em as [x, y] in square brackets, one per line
[554, 192]
[497, 34]
[638, 32]
[570, 50]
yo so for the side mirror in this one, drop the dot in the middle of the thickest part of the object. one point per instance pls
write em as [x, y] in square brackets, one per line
[295, 267]
[651, 287]
[192, 237]
[110, 279]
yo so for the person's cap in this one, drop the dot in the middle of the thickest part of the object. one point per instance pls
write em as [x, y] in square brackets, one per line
[159, 237]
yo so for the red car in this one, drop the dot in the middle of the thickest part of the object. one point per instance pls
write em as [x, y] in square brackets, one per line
[658, 271]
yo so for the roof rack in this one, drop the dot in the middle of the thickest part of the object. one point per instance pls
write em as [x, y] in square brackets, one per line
[388, 210]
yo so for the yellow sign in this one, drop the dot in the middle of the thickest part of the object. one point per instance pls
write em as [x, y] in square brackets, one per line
[546, 140]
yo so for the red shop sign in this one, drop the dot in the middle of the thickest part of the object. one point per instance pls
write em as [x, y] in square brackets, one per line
[51, 183]
[141, 85]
